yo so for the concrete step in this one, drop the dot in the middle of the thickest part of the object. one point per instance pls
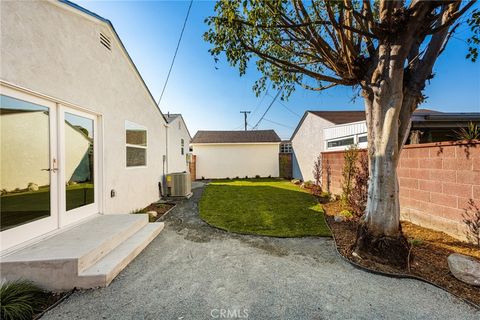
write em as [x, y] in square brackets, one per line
[56, 262]
[105, 270]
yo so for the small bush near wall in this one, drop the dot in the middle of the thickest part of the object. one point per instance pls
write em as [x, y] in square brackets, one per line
[359, 193]
[471, 218]
[349, 171]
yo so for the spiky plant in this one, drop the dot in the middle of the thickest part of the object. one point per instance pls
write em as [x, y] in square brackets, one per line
[470, 132]
[20, 299]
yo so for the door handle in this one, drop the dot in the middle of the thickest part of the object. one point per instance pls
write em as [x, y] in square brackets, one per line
[54, 169]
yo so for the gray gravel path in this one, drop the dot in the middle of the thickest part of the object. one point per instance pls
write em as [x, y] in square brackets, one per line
[193, 271]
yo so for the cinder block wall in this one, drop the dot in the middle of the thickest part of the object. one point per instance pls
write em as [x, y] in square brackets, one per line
[436, 182]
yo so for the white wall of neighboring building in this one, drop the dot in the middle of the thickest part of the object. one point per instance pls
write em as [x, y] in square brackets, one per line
[177, 130]
[53, 49]
[308, 143]
[216, 161]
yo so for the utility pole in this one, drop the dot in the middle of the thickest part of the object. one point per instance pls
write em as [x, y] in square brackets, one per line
[245, 117]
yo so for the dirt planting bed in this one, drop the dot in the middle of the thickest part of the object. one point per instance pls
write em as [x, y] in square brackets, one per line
[429, 252]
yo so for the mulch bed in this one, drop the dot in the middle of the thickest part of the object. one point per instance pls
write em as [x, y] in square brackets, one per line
[159, 208]
[51, 300]
[430, 251]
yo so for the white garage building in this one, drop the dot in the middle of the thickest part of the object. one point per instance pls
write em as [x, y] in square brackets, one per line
[230, 154]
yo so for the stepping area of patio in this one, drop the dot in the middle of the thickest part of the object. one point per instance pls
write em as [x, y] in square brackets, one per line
[85, 256]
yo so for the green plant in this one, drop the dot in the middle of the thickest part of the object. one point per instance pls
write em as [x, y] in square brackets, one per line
[348, 172]
[359, 192]
[318, 170]
[470, 132]
[20, 299]
[135, 211]
[346, 213]
[257, 176]
[413, 243]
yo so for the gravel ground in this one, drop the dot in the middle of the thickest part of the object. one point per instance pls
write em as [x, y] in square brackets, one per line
[193, 271]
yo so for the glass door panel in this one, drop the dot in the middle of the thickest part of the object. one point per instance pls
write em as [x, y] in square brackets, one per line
[25, 162]
[79, 161]
[78, 172]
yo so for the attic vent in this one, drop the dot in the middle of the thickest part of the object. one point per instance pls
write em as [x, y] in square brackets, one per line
[105, 41]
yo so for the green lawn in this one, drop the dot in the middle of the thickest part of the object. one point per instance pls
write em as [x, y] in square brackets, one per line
[270, 207]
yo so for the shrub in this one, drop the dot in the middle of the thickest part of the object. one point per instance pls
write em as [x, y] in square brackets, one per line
[346, 214]
[317, 171]
[471, 218]
[20, 299]
[246, 177]
[349, 170]
[471, 132]
[257, 176]
[308, 184]
[359, 192]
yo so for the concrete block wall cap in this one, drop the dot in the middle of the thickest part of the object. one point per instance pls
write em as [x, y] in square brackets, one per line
[465, 268]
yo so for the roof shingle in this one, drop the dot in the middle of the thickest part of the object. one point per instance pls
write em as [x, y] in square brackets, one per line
[254, 136]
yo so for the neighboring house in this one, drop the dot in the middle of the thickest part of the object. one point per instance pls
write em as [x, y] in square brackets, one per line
[178, 143]
[308, 140]
[230, 154]
[320, 131]
[82, 143]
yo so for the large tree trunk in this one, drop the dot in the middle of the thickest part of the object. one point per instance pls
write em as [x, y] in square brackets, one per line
[379, 234]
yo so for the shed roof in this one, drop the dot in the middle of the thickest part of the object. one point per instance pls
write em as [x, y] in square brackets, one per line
[253, 136]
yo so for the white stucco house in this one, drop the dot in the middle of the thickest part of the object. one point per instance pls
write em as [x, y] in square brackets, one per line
[178, 141]
[83, 143]
[320, 131]
[231, 154]
[308, 139]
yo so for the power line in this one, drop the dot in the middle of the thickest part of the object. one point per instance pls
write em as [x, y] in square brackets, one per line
[278, 123]
[175, 54]
[290, 110]
[269, 106]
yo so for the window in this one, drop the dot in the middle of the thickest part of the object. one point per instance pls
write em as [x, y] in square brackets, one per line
[183, 146]
[340, 143]
[136, 144]
[286, 147]
[362, 139]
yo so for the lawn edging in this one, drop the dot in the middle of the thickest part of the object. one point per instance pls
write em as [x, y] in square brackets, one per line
[393, 275]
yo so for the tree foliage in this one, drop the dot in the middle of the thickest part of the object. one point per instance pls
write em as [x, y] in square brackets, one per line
[319, 44]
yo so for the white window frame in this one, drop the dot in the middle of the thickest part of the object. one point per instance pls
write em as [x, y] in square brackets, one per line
[132, 125]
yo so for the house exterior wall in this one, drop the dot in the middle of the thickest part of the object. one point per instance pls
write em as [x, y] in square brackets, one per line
[216, 161]
[436, 181]
[177, 130]
[52, 49]
[307, 144]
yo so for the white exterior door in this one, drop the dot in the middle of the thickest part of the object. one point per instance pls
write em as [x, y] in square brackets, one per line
[49, 173]
[78, 144]
[29, 167]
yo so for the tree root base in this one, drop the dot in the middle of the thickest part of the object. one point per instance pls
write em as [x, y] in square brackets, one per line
[383, 249]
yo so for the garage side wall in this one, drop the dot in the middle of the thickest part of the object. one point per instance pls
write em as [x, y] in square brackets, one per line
[307, 144]
[236, 160]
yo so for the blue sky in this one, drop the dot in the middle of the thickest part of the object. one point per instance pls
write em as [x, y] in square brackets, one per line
[211, 99]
